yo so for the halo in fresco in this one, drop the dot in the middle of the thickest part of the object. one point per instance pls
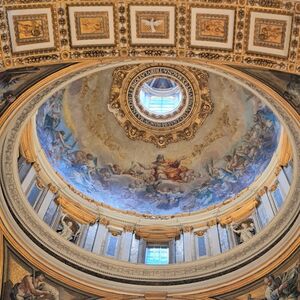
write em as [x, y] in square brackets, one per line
[85, 145]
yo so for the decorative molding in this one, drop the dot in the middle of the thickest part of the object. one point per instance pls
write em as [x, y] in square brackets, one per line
[174, 32]
[157, 233]
[76, 211]
[240, 213]
[160, 130]
[26, 147]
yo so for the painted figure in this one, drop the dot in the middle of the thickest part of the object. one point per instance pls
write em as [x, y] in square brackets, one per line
[283, 287]
[34, 288]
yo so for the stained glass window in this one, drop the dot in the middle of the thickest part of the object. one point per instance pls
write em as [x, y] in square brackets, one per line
[157, 255]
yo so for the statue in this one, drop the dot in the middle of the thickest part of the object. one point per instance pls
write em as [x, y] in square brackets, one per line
[67, 231]
[34, 287]
[246, 232]
[283, 287]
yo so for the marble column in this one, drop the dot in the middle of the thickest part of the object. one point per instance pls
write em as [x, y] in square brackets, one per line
[179, 249]
[284, 184]
[142, 251]
[213, 240]
[172, 252]
[125, 243]
[188, 243]
[82, 236]
[268, 208]
[28, 180]
[45, 203]
[231, 237]
[271, 201]
[256, 221]
[134, 251]
[101, 236]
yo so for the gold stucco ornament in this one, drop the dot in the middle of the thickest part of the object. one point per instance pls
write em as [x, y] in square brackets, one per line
[160, 103]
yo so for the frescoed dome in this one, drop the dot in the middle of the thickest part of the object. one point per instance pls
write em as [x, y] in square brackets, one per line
[86, 145]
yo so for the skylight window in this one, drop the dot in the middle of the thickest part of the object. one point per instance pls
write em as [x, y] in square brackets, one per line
[157, 255]
[160, 96]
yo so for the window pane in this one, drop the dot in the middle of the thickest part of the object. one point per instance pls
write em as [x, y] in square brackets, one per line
[157, 255]
[278, 197]
[201, 246]
[33, 195]
[111, 247]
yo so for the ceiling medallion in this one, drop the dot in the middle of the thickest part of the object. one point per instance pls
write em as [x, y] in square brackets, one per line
[160, 104]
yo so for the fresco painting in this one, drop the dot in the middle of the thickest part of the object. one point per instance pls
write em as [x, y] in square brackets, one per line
[157, 181]
[13, 82]
[21, 281]
[287, 85]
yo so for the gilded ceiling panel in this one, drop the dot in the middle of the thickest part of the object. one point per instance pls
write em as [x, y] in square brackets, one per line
[253, 32]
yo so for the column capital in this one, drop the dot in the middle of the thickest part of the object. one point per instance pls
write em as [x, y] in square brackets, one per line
[40, 183]
[274, 186]
[52, 188]
[128, 228]
[200, 232]
[212, 222]
[37, 167]
[103, 221]
[187, 228]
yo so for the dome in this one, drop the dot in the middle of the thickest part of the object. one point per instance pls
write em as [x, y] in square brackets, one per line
[149, 150]
[89, 149]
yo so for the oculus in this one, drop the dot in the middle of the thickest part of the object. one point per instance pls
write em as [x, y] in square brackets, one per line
[157, 104]
[160, 97]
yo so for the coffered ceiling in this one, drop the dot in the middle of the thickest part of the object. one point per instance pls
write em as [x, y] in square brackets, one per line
[248, 32]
